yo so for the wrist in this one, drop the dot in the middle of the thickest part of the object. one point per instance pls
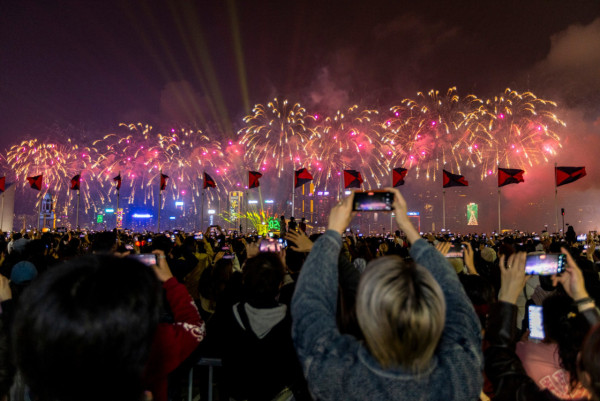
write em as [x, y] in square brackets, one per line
[585, 304]
[506, 296]
[339, 230]
[580, 296]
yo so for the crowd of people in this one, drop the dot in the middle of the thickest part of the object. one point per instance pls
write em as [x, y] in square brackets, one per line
[306, 316]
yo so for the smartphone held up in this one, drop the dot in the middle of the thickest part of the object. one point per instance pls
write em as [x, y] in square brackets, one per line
[545, 264]
[149, 259]
[373, 201]
[270, 245]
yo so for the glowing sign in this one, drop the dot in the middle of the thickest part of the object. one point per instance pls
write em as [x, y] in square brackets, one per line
[141, 216]
[472, 214]
[274, 224]
[412, 213]
[119, 218]
[109, 210]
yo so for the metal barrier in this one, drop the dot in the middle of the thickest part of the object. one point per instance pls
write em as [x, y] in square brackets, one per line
[211, 363]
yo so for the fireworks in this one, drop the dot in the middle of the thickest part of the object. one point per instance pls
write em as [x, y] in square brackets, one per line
[276, 134]
[348, 140]
[430, 132]
[57, 162]
[427, 133]
[520, 132]
[138, 157]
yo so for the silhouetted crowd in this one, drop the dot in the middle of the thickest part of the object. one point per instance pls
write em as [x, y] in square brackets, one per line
[119, 315]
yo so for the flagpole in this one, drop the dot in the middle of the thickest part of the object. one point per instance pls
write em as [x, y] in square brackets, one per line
[116, 225]
[2, 216]
[444, 209]
[556, 199]
[246, 214]
[77, 215]
[499, 220]
[202, 209]
[392, 213]
[40, 213]
[159, 203]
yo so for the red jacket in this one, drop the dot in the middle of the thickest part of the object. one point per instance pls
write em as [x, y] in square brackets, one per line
[173, 342]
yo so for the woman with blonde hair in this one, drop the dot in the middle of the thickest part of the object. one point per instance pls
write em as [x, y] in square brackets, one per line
[422, 336]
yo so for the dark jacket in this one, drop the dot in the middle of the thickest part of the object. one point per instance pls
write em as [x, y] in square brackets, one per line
[502, 365]
[6, 370]
[257, 352]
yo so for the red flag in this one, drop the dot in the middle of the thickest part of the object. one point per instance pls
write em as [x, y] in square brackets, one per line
[2, 183]
[509, 176]
[302, 176]
[209, 182]
[398, 175]
[352, 179]
[567, 175]
[163, 181]
[118, 181]
[253, 177]
[35, 182]
[75, 181]
[454, 180]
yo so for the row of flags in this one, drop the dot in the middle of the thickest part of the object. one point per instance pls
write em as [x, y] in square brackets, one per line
[352, 178]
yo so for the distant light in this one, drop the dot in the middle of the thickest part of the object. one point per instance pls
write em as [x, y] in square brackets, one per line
[412, 214]
[269, 201]
[172, 218]
[325, 193]
[347, 192]
[142, 216]
[501, 115]
[211, 211]
[178, 203]
[109, 210]
[320, 193]
[252, 202]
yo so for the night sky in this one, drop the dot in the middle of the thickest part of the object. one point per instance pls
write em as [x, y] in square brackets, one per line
[94, 64]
